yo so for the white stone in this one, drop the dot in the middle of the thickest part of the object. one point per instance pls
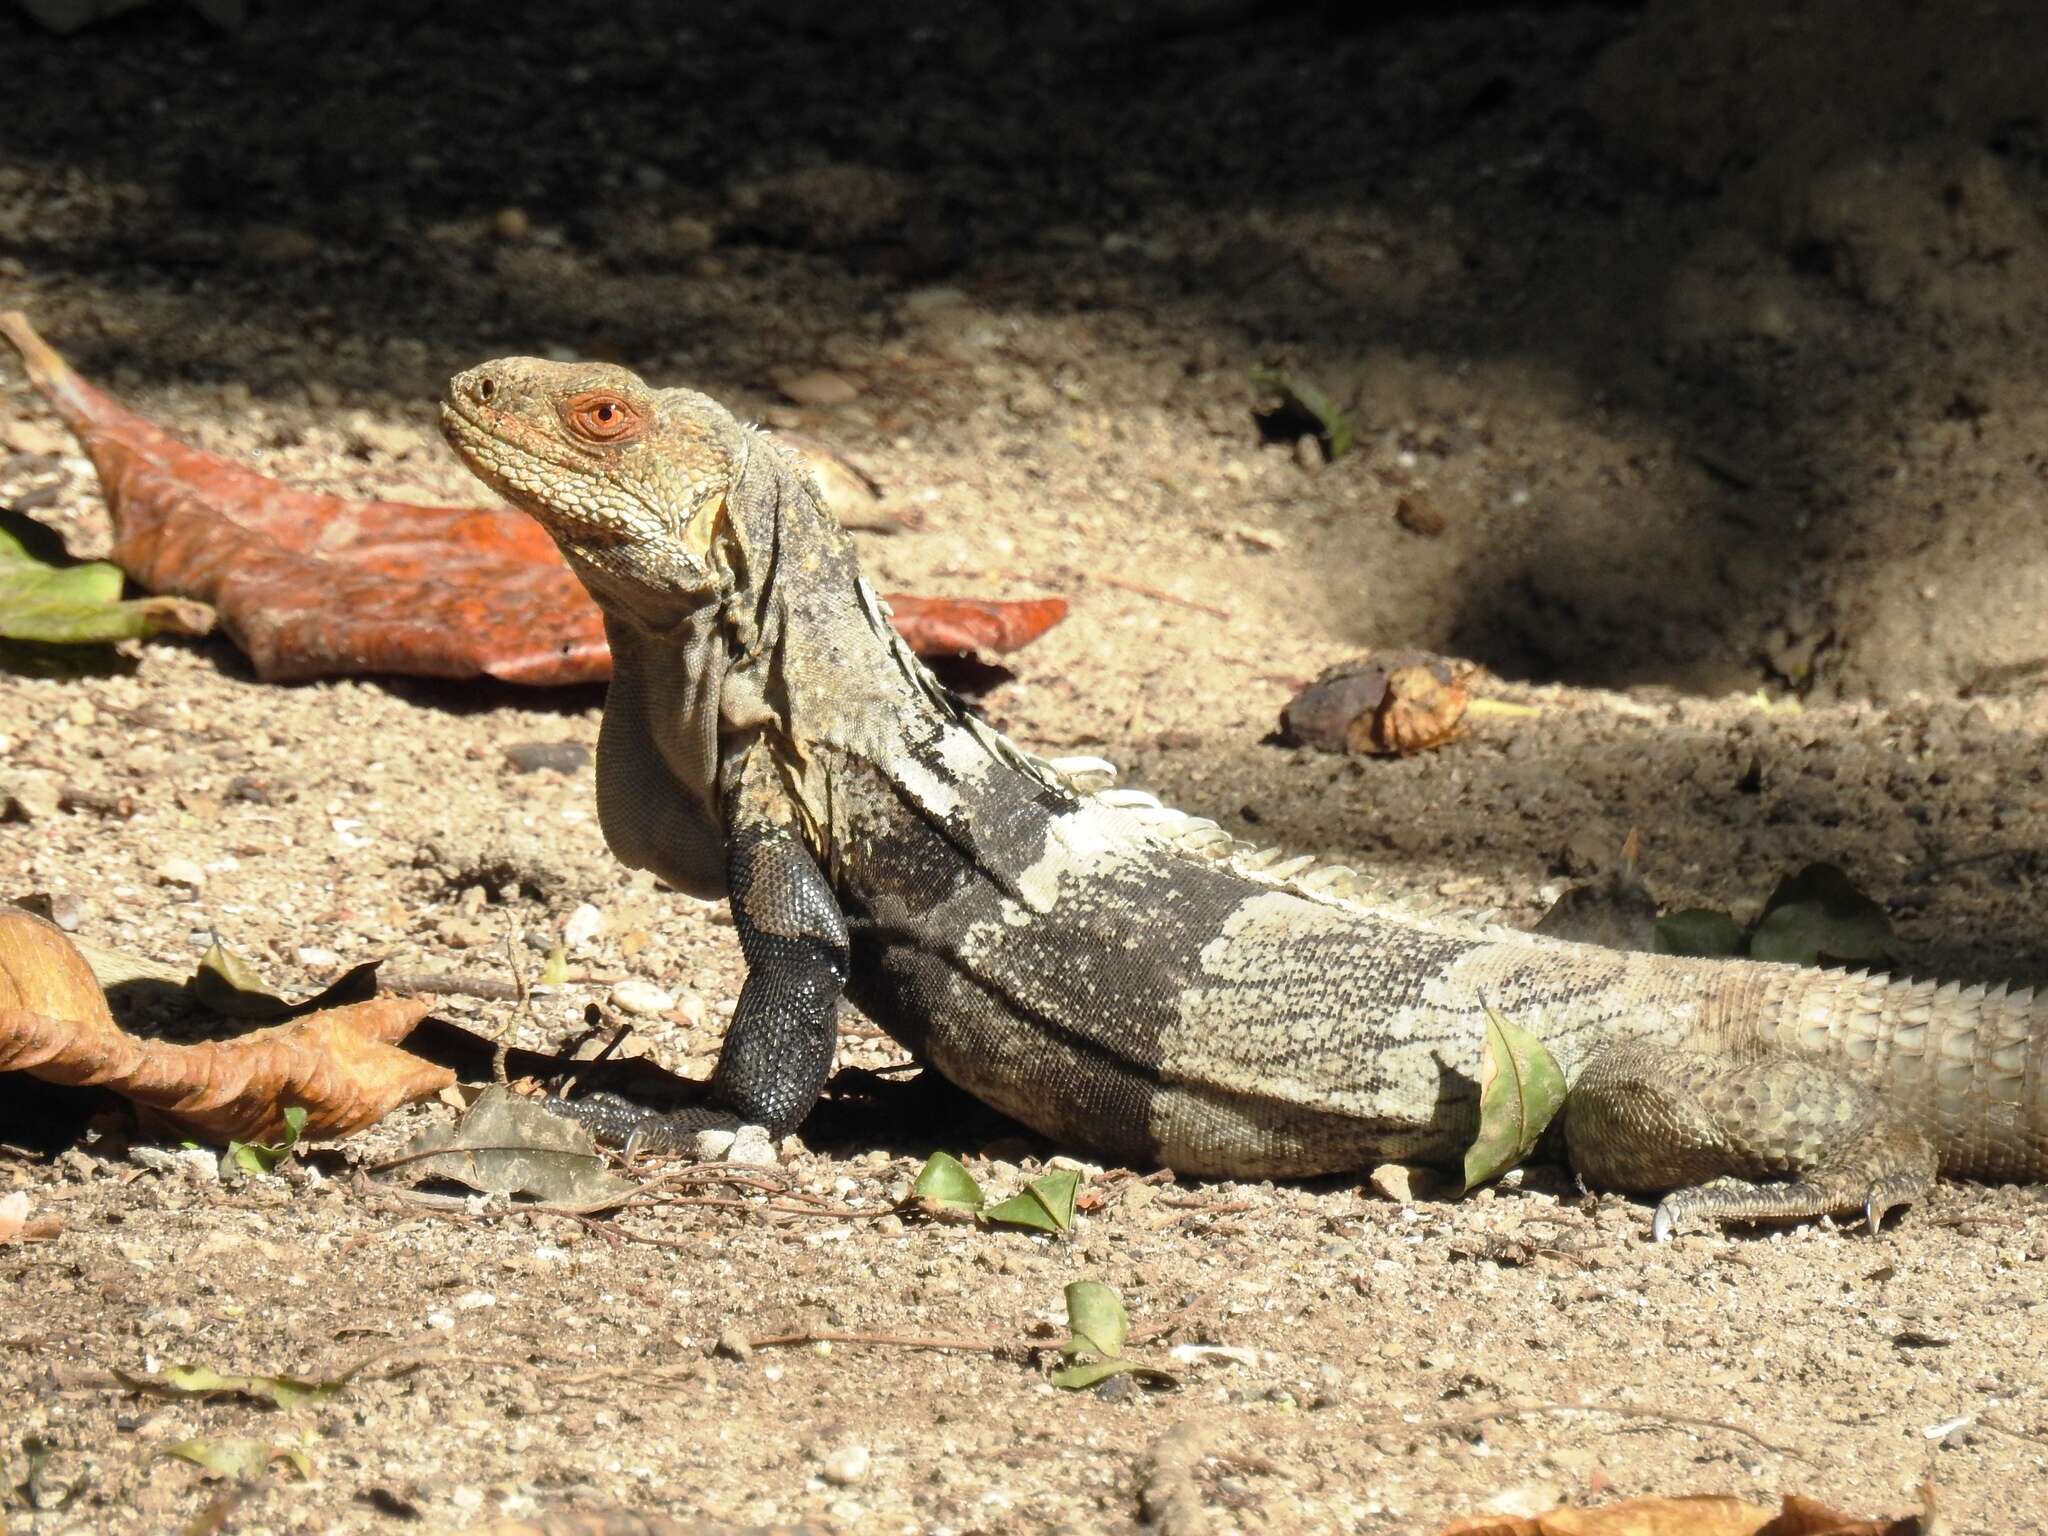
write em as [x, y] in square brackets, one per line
[847, 1465]
[179, 870]
[641, 997]
[584, 924]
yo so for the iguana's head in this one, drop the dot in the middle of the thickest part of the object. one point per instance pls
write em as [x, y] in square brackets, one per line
[630, 481]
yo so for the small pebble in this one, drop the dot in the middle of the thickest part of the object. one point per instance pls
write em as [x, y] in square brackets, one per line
[30, 798]
[561, 756]
[641, 997]
[583, 925]
[1033, 399]
[33, 437]
[821, 388]
[178, 870]
[846, 1466]
[733, 1343]
[512, 224]
[1418, 514]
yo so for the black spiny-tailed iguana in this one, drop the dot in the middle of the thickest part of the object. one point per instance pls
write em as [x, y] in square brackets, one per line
[1116, 974]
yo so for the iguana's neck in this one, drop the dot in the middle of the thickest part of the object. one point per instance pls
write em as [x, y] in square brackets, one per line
[815, 668]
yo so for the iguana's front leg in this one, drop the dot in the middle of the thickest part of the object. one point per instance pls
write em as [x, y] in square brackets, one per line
[1774, 1138]
[778, 1050]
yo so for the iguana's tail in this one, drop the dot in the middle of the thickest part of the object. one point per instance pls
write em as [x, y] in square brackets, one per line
[1969, 1062]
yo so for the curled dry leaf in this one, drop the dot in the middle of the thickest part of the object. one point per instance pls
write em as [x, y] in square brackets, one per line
[1390, 703]
[1696, 1515]
[342, 1066]
[313, 585]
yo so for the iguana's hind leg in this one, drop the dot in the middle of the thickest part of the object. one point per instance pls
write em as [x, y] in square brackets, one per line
[1777, 1138]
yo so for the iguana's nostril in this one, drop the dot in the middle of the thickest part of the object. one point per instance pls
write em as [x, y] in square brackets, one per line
[485, 388]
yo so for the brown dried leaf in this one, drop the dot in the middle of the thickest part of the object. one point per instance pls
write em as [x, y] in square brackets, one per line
[1699, 1515]
[342, 1065]
[1391, 703]
[312, 585]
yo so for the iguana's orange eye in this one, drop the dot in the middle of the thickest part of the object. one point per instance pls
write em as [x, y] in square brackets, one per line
[603, 418]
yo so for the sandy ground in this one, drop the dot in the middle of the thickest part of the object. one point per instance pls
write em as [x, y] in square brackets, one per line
[1722, 381]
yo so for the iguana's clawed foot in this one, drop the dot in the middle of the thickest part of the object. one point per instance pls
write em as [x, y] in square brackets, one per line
[1802, 1199]
[708, 1135]
[1777, 1138]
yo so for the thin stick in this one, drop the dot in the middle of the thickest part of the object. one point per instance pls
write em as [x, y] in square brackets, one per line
[1619, 1410]
[894, 1341]
[1160, 594]
[430, 984]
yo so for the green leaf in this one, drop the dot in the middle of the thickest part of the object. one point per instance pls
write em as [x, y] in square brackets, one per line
[1046, 1204]
[254, 1157]
[1700, 931]
[204, 1381]
[233, 988]
[1096, 1319]
[509, 1145]
[1520, 1089]
[1076, 1378]
[1099, 1325]
[56, 604]
[239, 1458]
[554, 971]
[1304, 397]
[944, 1180]
[1817, 917]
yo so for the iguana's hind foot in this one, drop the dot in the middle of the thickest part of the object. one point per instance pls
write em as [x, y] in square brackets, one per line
[710, 1135]
[1777, 1138]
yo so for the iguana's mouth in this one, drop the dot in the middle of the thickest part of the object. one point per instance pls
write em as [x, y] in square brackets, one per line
[493, 444]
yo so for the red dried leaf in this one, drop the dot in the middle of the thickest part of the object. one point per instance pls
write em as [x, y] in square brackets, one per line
[311, 585]
[964, 626]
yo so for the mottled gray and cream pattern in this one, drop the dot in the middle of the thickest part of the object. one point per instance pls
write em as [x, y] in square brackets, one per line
[1111, 972]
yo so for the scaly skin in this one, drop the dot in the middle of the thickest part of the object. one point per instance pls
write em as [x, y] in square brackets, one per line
[1113, 973]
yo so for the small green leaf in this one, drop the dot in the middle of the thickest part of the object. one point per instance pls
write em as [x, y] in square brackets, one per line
[204, 1381]
[239, 1458]
[254, 1157]
[944, 1180]
[1076, 1378]
[1303, 397]
[1046, 1204]
[1520, 1089]
[1099, 1325]
[1817, 917]
[1701, 931]
[56, 604]
[233, 988]
[1096, 1319]
[554, 971]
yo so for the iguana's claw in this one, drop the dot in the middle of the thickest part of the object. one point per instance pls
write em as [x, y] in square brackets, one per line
[708, 1135]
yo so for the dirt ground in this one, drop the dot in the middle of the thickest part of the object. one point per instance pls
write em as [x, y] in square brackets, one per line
[1698, 357]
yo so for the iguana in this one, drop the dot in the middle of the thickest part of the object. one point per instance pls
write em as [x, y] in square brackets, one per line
[1116, 974]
